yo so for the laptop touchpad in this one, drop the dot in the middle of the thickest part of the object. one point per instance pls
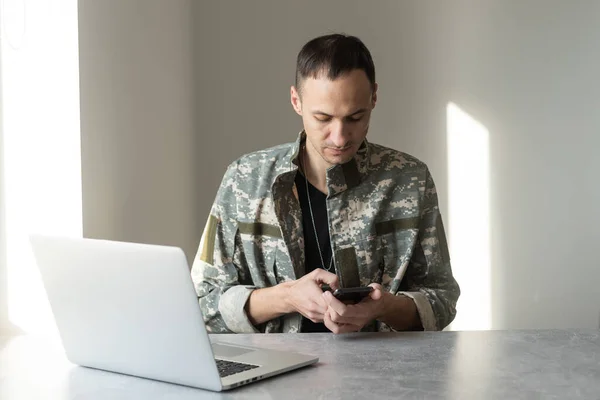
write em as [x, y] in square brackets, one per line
[229, 351]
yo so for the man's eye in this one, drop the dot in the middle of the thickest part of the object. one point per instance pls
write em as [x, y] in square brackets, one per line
[355, 119]
[323, 119]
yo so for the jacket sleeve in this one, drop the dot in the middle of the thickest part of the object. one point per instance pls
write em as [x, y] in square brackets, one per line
[429, 275]
[223, 285]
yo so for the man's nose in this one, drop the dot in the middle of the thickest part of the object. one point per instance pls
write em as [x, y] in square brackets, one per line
[339, 134]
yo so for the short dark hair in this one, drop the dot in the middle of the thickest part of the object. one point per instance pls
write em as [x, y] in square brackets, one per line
[334, 55]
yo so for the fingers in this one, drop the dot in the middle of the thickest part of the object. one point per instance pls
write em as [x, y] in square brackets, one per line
[353, 314]
[349, 317]
[306, 297]
[317, 304]
[312, 310]
[335, 304]
[321, 276]
[377, 292]
[338, 328]
[314, 317]
[341, 313]
[310, 289]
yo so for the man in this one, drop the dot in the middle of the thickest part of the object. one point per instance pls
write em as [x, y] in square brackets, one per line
[330, 209]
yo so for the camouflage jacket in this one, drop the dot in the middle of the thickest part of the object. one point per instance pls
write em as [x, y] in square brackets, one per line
[384, 222]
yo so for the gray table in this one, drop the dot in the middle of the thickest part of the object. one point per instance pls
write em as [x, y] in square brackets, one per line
[450, 365]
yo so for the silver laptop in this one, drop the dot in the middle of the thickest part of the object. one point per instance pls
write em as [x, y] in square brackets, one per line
[132, 308]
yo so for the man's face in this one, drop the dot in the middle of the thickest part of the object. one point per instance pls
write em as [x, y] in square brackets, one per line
[335, 114]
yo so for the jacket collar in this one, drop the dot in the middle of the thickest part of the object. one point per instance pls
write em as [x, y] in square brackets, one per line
[340, 177]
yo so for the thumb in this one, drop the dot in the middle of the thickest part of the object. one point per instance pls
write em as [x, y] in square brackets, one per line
[322, 276]
[377, 292]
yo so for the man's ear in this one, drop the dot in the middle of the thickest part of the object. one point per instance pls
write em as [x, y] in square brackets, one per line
[374, 97]
[295, 100]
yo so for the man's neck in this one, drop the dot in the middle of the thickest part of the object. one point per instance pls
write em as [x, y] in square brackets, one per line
[315, 168]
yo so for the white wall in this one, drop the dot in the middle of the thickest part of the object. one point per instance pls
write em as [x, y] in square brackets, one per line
[3, 269]
[139, 144]
[526, 70]
[154, 149]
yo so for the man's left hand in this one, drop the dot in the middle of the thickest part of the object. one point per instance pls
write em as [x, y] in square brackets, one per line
[343, 318]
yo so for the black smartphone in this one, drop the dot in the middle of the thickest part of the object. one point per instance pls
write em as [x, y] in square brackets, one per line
[352, 295]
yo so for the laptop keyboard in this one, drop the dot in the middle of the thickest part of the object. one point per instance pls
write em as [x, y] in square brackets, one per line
[227, 368]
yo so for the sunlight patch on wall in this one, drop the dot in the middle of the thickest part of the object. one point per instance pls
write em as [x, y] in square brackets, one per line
[42, 154]
[469, 217]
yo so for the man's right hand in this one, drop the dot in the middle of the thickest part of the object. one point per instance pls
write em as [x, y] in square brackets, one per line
[305, 295]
